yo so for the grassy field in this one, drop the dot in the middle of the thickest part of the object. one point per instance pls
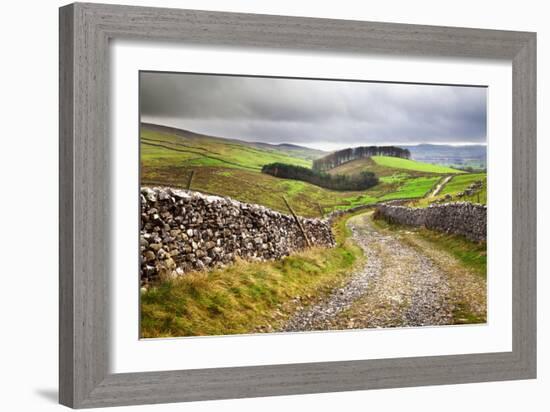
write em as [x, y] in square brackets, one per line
[231, 168]
[458, 184]
[415, 187]
[209, 151]
[247, 297]
[406, 164]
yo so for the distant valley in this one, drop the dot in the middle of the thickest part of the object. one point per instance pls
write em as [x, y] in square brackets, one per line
[474, 156]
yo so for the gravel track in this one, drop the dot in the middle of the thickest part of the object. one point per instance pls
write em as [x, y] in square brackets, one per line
[440, 186]
[400, 285]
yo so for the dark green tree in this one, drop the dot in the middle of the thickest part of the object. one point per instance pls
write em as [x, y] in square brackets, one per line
[360, 181]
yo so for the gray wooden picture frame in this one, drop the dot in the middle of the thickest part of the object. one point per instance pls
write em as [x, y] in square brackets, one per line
[85, 31]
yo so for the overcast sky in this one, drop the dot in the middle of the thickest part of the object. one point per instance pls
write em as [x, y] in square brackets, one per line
[327, 115]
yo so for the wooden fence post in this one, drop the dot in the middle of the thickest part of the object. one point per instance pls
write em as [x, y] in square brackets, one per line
[190, 180]
[298, 222]
[321, 211]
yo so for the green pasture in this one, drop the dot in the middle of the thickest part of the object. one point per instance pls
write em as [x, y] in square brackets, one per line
[406, 164]
[457, 184]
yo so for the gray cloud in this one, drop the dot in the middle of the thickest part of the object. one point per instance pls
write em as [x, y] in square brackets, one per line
[324, 114]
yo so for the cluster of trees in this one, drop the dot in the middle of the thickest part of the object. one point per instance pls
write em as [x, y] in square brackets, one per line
[360, 181]
[347, 155]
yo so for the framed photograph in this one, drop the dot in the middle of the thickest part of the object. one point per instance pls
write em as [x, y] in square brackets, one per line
[257, 205]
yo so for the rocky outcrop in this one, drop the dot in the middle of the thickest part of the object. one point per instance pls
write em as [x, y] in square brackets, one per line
[183, 231]
[461, 218]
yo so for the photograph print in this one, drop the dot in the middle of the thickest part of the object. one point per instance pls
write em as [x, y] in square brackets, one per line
[278, 205]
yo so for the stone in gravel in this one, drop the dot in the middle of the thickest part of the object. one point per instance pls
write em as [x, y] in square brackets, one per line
[155, 246]
[161, 254]
[149, 256]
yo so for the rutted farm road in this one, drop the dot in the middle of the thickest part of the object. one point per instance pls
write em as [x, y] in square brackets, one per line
[406, 281]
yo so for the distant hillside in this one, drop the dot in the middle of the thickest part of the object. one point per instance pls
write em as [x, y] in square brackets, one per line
[290, 149]
[181, 147]
[462, 156]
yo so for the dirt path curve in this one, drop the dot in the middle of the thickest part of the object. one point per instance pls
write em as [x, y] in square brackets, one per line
[398, 286]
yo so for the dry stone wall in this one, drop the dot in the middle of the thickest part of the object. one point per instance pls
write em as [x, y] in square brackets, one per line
[183, 231]
[461, 218]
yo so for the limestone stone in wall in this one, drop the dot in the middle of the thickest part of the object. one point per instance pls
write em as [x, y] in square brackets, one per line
[183, 231]
[461, 218]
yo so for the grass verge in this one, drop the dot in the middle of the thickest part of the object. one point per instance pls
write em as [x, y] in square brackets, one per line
[247, 297]
[471, 255]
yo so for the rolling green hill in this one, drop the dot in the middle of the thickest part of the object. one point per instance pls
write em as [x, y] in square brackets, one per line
[412, 165]
[209, 151]
[290, 149]
[232, 168]
[389, 168]
[360, 165]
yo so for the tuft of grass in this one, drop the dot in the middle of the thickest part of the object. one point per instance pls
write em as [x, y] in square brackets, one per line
[247, 297]
[462, 315]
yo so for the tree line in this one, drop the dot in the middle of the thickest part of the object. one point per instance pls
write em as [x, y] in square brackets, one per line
[360, 181]
[346, 155]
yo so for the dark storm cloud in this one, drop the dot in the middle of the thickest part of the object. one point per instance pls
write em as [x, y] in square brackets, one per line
[325, 114]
